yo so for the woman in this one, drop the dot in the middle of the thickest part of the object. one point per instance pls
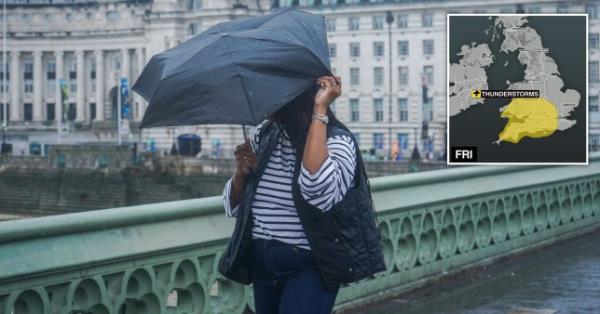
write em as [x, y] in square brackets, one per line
[286, 273]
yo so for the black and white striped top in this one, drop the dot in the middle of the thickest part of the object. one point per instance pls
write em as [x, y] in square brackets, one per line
[273, 211]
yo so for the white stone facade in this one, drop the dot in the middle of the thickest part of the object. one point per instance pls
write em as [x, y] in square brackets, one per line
[86, 42]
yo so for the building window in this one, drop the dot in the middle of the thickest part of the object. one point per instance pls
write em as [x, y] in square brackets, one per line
[194, 5]
[73, 76]
[116, 64]
[427, 19]
[92, 111]
[51, 86]
[428, 47]
[28, 111]
[354, 111]
[594, 40]
[356, 137]
[378, 75]
[51, 76]
[378, 22]
[591, 10]
[354, 50]
[594, 77]
[402, 21]
[403, 109]
[378, 48]
[594, 109]
[378, 107]
[428, 74]
[403, 48]
[332, 50]
[403, 75]
[330, 24]
[534, 9]
[112, 15]
[72, 111]
[354, 76]
[353, 23]
[562, 8]
[28, 76]
[28, 86]
[594, 142]
[50, 111]
[5, 79]
[93, 76]
[403, 141]
[378, 140]
[192, 29]
[2, 108]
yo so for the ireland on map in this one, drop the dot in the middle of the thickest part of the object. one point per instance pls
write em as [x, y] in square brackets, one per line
[517, 89]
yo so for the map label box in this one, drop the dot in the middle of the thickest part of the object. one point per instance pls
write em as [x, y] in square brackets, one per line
[463, 154]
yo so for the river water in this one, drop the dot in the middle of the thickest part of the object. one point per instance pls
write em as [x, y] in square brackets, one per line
[562, 278]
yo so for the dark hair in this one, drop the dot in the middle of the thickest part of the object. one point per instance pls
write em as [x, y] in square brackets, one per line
[295, 118]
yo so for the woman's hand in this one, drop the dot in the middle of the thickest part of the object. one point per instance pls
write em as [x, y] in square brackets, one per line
[330, 89]
[245, 159]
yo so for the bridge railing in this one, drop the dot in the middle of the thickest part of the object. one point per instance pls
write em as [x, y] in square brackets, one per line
[162, 258]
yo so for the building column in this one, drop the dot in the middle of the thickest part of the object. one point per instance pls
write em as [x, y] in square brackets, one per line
[80, 86]
[100, 85]
[15, 88]
[58, 54]
[126, 63]
[37, 86]
[141, 107]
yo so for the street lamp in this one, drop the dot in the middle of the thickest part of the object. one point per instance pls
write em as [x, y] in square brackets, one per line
[117, 76]
[4, 98]
[389, 18]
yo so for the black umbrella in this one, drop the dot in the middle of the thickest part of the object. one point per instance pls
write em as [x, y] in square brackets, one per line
[236, 72]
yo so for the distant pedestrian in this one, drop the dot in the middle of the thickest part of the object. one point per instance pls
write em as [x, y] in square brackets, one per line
[296, 176]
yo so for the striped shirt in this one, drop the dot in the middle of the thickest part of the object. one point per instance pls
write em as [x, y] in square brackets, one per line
[273, 211]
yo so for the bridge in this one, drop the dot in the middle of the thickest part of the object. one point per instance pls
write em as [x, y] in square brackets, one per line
[162, 258]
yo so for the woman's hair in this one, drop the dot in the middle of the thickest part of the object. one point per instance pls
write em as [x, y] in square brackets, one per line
[295, 118]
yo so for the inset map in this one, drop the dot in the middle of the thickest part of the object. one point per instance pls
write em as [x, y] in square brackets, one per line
[517, 88]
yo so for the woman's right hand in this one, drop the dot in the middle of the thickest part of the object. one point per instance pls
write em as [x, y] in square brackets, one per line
[245, 159]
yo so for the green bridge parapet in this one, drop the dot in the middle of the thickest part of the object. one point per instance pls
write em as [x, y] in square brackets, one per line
[162, 258]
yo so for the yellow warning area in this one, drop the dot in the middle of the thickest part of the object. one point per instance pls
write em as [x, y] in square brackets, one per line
[533, 117]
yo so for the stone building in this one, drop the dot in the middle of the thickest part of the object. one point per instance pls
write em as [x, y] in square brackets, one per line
[391, 55]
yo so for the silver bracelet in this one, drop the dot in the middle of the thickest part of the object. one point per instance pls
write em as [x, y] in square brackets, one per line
[321, 117]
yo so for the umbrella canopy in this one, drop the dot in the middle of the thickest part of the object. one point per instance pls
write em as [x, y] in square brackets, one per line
[236, 72]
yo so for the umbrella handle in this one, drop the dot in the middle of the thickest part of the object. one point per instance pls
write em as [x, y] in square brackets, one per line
[245, 132]
[245, 138]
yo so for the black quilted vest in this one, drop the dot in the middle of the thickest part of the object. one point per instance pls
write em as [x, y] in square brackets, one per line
[345, 241]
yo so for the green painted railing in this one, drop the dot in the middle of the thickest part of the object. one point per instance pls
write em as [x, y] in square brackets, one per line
[162, 258]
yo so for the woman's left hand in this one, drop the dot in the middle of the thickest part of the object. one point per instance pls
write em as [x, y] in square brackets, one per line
[330, 89]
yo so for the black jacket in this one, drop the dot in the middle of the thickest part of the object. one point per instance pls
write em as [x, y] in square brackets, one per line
[345, 241]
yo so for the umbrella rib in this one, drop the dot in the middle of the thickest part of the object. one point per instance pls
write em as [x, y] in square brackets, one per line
[240, 77]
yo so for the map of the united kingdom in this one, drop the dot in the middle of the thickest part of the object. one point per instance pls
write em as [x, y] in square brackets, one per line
[517, 89]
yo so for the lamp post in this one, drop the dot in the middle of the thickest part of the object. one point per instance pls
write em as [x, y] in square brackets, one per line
[389, 18]
[4, 98]
[117, 77]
